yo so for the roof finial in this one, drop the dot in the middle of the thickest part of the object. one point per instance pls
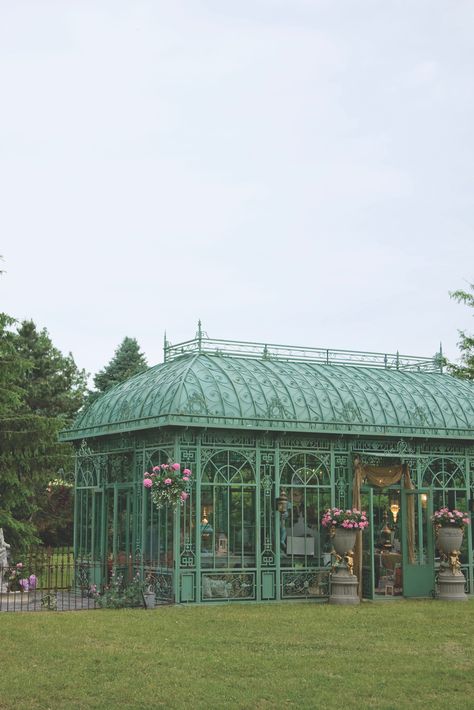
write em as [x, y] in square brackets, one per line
[165, 347]
[199, 334]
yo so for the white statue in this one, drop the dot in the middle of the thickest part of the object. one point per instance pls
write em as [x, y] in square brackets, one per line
[4, 548]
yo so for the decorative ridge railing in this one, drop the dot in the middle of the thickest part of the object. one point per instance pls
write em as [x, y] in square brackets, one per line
[201, 343]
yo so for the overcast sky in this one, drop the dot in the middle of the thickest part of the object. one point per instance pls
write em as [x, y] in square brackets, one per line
[289, 171]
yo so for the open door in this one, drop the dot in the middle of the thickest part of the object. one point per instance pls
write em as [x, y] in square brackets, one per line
[417, 542]
[368, 576]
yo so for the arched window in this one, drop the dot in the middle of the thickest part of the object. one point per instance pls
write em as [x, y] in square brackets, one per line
[307, 481]
[447, 479]
[228, 516]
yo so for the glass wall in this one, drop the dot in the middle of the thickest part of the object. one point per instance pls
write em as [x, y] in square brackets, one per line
[307, 483]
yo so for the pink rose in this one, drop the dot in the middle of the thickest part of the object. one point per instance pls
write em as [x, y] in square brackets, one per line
[175, 466]
[147, 482]
[156, 468]
[184, 495]
[186, 478]
[19, 565]
[168, 481]
[186, 472]
[164, 466]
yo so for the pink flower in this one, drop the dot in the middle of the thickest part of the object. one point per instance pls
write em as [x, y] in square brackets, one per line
[147, 482]
[186, 478]
[24, 584]
[168, 481]
[156, 468]
[465, 521]
[19, 565]
[186, 472]
[175, 466]
[164, 466]
[184, 495]
[32, 580]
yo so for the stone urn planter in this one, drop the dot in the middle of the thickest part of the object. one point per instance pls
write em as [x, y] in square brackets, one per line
[449, 539]
[344, 526]
[344, 541]
[343, 580]
[450, 578]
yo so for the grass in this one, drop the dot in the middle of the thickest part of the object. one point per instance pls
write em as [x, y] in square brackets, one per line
[403, 654]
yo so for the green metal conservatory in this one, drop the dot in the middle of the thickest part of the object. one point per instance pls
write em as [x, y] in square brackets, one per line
[256, 423]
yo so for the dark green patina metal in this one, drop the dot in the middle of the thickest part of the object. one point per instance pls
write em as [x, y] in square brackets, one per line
[251, 419]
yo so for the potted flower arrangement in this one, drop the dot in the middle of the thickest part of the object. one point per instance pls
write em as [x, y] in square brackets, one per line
[168, 484]
[344, 524]
[449, 526]
[18, 579]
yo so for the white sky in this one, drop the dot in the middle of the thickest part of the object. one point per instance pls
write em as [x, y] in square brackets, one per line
[290, 171]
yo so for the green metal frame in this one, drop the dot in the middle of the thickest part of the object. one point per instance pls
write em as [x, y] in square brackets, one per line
[181, 572]
[294, 418]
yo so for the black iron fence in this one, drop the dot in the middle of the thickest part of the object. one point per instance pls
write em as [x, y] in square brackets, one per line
[46, 579]
[54, 580]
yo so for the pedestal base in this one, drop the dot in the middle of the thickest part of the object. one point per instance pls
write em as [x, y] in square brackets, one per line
[344, 589]
[451, 587]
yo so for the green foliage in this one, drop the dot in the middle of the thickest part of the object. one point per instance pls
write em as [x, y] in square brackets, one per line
[54, 519]
[127, 361]
[54, 386]
[119, 594]
[40, 392]
[12, 368]
[466, 342]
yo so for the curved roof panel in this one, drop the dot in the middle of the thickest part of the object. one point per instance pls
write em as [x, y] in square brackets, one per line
[250, 393]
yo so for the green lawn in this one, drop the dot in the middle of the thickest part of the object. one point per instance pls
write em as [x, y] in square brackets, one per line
[400, 654]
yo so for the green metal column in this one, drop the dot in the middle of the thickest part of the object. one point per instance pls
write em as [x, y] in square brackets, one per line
[197, 479]
[467, 530]
[258, 545]
[177, 533]
[103, 535]
[277, 525]
[76, 508]
[92, 547]
[115, 533]
[144, 516]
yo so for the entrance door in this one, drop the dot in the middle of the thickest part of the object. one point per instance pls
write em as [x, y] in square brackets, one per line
[368, 577]
[417, 543]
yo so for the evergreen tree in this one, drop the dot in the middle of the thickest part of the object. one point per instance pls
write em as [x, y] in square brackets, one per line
[127, 361]
[41, 390]
[54, 387]
[466, 343]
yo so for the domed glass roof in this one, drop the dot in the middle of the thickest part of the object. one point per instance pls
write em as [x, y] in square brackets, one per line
[212, 389]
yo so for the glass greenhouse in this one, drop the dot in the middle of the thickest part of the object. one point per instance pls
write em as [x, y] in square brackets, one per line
[274, 435]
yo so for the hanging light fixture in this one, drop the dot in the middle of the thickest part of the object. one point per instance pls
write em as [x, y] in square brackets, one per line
[394, 509]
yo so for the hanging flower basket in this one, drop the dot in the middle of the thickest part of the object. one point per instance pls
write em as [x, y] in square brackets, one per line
[168, 484]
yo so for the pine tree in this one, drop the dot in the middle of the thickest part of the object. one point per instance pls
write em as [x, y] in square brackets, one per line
[466, 343]
[54, 387]
[41, 390]
[127, 361]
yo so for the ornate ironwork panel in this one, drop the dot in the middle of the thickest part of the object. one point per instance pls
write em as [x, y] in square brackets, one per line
[305, 583]
[227, 585]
